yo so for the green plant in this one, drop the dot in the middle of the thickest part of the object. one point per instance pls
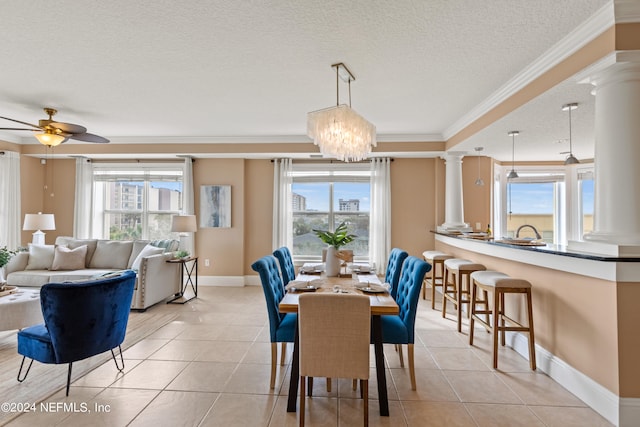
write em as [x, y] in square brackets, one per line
[5, 256]
[182, 254]
[338, 238]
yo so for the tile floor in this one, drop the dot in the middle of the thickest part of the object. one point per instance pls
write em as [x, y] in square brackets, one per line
[210, 367]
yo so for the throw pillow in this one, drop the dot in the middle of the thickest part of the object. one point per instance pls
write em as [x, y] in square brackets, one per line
[111, 254]
[72, 243]
[138, 245]
[145, 252]
[40, 257]
[69, 259]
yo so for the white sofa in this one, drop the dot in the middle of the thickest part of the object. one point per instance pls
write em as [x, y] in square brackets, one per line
[80, 259]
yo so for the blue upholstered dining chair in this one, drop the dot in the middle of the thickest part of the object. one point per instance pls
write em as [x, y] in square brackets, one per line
[286, 264]
[394, 268]
[282, 326]
[399, 329]
[81, 319]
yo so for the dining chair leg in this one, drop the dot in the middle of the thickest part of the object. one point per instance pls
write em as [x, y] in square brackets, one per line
[412, 371]
[364, 386]
[495, 331]
[400, 355]
[354, 384]
[283, 352]
[328, 385]
[310, 386]
[274, 357]
[302, 400]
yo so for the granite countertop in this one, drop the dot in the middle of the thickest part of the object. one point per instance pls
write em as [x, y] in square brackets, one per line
[547, 248]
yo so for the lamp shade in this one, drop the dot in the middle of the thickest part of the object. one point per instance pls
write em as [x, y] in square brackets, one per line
[50, 139]
[39, 221]
[184, 224]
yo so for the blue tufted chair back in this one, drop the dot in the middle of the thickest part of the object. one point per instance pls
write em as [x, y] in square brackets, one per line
[394, 268]
[273, 290]
[87, 318]
[413, 271]
[286, 264]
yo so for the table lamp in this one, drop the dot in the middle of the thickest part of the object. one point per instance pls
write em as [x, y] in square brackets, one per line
[183, 224]
[39, 222]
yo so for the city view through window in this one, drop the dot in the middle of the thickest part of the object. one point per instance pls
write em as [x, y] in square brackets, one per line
[324, 205]
[138, 209]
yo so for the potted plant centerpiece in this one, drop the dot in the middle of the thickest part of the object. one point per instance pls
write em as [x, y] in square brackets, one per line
[335, 240]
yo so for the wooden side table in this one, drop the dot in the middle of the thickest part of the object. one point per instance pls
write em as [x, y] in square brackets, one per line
[191, 271]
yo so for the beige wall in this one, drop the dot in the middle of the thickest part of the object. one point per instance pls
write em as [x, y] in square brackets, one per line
[477, 199]
[258, 212]
[224, 247]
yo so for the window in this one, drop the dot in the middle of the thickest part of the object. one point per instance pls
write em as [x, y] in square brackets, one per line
[585, 189]
[534, 199]
[323, 196]
[136, 202]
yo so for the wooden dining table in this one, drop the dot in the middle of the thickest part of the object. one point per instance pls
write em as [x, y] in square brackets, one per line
[381, 304]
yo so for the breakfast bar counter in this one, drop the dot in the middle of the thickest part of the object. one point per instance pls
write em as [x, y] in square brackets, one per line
[585, 309]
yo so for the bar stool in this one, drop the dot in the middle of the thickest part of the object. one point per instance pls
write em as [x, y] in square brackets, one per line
[454, 289]
[435, 258]
[500, 284]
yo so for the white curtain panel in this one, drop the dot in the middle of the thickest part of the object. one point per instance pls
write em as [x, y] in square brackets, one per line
[282, 205]
[10, 199]
[380, 218]
[188, 203]
[82, 210]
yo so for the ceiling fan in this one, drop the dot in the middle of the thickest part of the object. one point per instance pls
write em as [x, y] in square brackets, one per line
[55, 133]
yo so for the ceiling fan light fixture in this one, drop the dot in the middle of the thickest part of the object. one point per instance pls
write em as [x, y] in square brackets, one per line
[49, 138]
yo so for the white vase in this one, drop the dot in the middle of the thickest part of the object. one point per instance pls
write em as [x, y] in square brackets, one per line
[332, 263]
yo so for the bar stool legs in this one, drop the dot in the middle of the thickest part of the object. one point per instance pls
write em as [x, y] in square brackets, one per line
[435, 277]
[455, 288]
[500, 284]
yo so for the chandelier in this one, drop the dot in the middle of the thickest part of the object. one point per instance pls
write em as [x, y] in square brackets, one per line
[339, 131]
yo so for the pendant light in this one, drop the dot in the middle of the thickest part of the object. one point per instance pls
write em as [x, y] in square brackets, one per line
[513, 173]
[571, 159]
[479, 181]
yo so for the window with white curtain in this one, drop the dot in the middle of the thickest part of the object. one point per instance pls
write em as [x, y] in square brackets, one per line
[136, 201]
[323, 196]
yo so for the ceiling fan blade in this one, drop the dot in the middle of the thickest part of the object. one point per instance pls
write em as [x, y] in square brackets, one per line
[21, 122]
[30, 130]
[89, 137]
[68, 127]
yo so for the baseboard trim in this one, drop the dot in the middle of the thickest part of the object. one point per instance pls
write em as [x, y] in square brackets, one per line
[622, 412]
[220, 281]
[229, 280]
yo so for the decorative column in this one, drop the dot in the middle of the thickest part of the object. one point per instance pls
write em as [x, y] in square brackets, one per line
[453, 201]
[616, 158]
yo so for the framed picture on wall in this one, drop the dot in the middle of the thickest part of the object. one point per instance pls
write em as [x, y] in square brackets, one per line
[215, 206]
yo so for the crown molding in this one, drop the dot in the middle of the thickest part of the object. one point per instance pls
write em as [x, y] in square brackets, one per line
[576, 39]
[626, 11]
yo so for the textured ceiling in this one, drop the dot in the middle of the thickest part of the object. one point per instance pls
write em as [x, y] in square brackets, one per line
[167, 68]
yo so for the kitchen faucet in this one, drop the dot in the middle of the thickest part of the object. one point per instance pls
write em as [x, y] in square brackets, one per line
[538, 236]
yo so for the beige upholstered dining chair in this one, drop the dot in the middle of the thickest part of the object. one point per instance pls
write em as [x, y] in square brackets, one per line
[335, 336]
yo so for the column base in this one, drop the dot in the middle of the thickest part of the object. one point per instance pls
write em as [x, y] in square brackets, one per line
[605, 248]
[453, 228]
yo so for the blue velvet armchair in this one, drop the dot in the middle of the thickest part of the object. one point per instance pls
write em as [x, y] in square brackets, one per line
[394, 268]
[286, 264]
[282, 327]
[399, 329]
[81, 319]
